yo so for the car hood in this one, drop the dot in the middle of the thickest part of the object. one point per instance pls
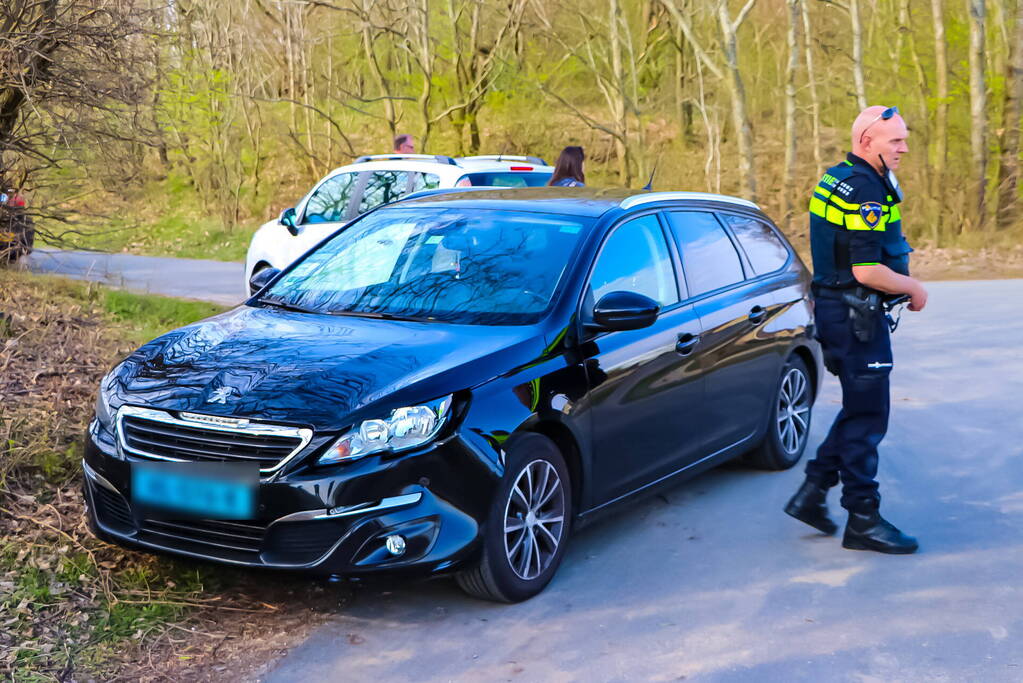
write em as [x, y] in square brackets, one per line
[317, 370]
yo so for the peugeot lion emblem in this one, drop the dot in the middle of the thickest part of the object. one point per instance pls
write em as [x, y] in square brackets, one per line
[220, 395]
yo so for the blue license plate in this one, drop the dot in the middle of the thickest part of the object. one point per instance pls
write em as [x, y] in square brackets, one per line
[187, 489]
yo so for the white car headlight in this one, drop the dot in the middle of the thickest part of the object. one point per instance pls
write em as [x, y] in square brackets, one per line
[406, 428]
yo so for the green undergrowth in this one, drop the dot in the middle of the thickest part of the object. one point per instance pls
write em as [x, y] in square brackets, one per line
[161, 218]
[170, 235]
[145, 316]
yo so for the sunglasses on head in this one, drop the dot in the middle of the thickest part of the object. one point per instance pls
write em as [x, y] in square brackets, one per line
[883, 116]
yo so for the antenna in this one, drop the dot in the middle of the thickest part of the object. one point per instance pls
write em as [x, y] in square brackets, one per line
[650, 183]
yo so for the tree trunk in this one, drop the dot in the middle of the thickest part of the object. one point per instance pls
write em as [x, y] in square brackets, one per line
[618, 90]
[426, 63]
[941, 112]
[680, 85]
[790, 112]
[978, 106]
[369, 47]
[737, 90]
[1009, 164]
[857, 52]
[815, 103]
[904, 26]
[922, 114]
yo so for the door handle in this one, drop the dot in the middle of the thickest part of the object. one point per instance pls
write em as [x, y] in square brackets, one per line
[686, 343]
[757, 315]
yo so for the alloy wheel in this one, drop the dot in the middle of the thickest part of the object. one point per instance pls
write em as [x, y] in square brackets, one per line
[793, 410]
[534, 517]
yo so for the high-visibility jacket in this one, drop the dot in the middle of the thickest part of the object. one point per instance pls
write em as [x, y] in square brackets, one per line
[854, 221]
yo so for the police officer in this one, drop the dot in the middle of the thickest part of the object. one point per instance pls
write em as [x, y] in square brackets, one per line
[859, 257]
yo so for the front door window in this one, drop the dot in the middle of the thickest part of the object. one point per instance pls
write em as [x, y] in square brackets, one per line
[635, 258]
[329, 203]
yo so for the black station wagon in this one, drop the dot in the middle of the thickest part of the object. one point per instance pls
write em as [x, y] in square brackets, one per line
[451, 383]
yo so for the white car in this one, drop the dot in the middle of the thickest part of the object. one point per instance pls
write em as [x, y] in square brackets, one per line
[352, 190]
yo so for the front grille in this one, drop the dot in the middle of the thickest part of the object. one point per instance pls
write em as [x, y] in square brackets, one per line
[240, 541]
[112, 509]
[155, 434]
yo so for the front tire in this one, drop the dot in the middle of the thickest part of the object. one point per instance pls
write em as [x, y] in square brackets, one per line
[528, 525]
[789, 423]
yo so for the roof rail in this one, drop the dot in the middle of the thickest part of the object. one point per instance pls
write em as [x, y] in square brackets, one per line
[506, 157]
[398, 156]
[639, 199]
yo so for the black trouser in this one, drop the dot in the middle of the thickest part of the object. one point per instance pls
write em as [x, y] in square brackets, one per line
[850, 449]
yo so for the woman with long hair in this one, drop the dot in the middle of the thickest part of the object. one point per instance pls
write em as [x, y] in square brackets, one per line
[568, 172]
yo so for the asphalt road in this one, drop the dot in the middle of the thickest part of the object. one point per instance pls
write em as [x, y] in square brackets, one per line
[214, 281]
[712, 582]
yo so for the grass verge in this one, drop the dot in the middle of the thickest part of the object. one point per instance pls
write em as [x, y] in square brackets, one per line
[73, 607]
[177, 235]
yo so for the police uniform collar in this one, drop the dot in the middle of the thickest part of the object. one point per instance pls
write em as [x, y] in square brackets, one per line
[856, 160]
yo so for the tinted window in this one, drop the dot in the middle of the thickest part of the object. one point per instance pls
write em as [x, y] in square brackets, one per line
[763, 247]
[469, 266]
[425, 181]
[509, 179]
[330, 200]
[635, 258]
[383, 187]
[708, 255]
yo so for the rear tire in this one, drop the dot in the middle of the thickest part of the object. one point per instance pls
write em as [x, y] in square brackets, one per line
[788, 425]
[528, 526]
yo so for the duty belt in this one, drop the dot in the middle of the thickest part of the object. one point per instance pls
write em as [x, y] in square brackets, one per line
[824, 292]
[864, 303]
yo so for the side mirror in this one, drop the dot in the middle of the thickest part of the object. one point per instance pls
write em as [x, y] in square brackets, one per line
[287, 219]
[619, 311]
[261, 278]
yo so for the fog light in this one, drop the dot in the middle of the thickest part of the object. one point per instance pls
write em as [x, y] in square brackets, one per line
[395, 545]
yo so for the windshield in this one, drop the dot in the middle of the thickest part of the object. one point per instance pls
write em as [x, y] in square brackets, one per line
[508, 179]
[474, 266]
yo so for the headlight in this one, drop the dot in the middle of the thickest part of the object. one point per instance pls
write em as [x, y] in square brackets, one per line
[104, 412]
[406, 428]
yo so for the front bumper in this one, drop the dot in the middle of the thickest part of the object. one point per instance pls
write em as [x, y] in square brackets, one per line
[320, 520]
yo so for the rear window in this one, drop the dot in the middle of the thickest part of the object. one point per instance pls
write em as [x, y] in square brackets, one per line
[763, 248]
[508, 179]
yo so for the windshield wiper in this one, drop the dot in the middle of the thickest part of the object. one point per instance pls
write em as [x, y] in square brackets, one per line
[283, 305]
[378, 316]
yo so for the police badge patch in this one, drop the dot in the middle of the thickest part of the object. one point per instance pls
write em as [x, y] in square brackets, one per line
[871, 213]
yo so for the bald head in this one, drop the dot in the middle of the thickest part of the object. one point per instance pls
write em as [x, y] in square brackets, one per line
[874, 138]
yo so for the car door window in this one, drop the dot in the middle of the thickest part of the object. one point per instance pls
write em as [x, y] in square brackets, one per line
[383, 187]
[635, 258]
[329, 202]
[425, 181]
[764, 249]
[709, 258]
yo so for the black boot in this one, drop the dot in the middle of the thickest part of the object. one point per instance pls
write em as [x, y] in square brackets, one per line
[868, 530]
[809, 507]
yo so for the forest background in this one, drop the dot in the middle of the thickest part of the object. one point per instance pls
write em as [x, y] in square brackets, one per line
[180, 126]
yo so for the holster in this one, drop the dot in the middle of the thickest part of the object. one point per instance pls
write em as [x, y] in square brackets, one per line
[864, 307]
